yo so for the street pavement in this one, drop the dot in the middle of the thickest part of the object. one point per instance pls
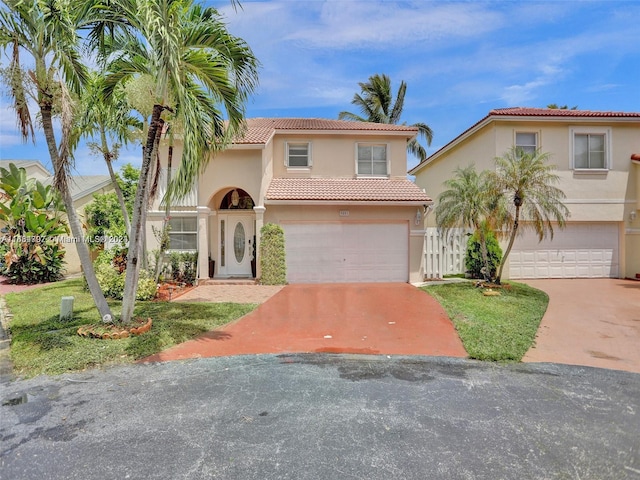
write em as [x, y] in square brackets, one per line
[321, 416]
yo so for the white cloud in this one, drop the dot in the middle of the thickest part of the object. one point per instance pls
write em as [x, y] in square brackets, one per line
[359, 24]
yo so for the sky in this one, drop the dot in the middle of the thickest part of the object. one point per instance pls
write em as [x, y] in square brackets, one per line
[460, 59]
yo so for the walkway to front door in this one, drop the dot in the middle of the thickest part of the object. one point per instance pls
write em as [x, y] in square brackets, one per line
[369, 318]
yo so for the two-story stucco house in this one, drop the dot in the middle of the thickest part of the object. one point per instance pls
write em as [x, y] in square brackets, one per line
[597, 156]
[338, 189]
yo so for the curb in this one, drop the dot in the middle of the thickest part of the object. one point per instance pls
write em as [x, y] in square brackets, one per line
[6, 367]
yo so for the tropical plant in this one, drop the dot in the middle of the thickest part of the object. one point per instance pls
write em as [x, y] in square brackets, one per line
[465, 203]
[104, 214]
[201, 72]
[272, 255]
[31, 247]
[474, 261]
[47, 31]
[377, 105]
[528, 183]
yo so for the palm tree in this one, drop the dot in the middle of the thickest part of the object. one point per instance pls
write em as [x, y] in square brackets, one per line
[467, 204]
[47, 32]
[377, 105]
[528, 182]
[201, 72]
[112, 122]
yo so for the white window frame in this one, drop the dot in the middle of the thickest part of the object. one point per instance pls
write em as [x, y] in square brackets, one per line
[536, 146]
[573, 131]
[374, 144]
[287, 155]
[183, 232]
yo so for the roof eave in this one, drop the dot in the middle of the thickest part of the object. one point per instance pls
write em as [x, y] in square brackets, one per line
[389, 203]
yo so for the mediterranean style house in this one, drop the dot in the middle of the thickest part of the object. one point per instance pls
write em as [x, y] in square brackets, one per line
[338, 189]
[597, 157]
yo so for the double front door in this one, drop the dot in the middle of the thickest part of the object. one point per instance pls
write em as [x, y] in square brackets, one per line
[235, 234]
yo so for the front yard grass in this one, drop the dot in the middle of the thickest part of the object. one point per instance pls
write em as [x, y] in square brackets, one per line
[42, 344]
[495, 328]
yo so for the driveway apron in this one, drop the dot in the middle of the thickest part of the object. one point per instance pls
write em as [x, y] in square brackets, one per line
[371, 318]
[593, 322]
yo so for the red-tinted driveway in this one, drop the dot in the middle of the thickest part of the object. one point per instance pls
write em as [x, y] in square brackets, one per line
[373, 318]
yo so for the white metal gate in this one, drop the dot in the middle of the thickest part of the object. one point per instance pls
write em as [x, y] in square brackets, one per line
[444, 252]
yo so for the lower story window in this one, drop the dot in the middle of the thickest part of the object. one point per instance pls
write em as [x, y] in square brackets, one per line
[183, 233]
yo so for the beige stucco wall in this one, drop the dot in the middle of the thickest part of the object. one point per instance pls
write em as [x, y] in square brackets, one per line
[480, 152]
[335, 155]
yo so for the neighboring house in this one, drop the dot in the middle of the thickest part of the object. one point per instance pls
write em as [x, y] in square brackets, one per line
[597, 156]
[338, 189]
[82, 187]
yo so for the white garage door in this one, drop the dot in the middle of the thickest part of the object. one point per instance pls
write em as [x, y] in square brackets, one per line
[346, 252]
[588, 250]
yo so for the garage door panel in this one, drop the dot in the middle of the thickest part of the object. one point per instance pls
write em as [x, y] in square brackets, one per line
[580, 250]
[346, 252]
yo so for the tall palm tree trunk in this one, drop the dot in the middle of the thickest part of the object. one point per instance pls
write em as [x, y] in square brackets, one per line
[484, 252]
[140, 216]
[167, 212]
[116, 186]
[74, 223]
[516, 221]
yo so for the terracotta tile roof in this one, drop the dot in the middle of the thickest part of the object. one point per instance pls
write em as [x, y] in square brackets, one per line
[346, 189]
[556, 112]
[259, 130]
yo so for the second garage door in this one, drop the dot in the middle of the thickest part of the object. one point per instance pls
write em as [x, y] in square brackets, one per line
[346, 252]
[588, 250]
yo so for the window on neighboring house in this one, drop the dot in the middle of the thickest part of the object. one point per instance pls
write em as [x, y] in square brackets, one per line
[589, 151]
[527, 142]
[183, 233]
[298, 155]
[372, 159]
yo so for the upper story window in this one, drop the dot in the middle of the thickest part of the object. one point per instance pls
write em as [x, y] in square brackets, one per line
[527, 142]
[372, 159]
[590, 149]
[298, 155]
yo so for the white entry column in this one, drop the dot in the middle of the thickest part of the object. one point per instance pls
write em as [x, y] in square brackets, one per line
[203, 242]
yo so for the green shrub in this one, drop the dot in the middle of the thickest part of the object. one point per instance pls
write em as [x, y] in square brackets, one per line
[183, 267]
[473, 260]
[147, 286]
[272, 255]
[112, 281]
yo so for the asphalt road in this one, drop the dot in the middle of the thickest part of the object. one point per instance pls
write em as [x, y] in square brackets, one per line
[323, 417]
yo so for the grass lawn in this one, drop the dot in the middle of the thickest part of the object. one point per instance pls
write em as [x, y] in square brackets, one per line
[500, 328]
[41, 344]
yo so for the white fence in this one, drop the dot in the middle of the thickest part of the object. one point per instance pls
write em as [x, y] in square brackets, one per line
[444, 253]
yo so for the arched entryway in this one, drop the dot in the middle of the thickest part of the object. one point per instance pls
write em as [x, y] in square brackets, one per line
[235, 235]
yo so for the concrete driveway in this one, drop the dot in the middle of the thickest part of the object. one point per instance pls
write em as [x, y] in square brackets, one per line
[593, 322]
[366, 318]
